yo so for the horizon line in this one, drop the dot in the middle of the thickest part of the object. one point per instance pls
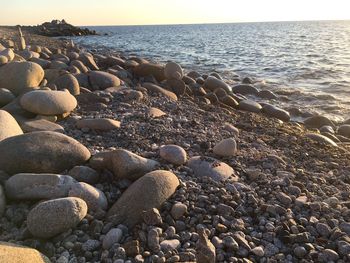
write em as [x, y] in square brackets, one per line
[200, 23]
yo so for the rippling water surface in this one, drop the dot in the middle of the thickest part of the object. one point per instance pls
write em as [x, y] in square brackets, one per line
[306, 62]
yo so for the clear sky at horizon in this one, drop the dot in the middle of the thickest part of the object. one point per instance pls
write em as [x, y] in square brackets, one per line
[140, 12]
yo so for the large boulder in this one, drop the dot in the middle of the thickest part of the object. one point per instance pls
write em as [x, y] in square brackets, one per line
[210, 167]
[212, 83]
[124, 164]
[149, 69]
[102, 80]
[53, 217]
[48, 102]
[41, 152]
[16, 76]
[13, 253]
[150, 191]
[38, 186]
[8, 126]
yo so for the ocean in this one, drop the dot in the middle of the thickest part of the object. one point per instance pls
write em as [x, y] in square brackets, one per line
[306, 63]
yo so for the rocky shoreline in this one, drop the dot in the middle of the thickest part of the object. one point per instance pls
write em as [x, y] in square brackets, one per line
[113, 159]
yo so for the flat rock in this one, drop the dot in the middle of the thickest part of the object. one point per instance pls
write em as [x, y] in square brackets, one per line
[13, 253]
[173, 154]
[103, 124]
[207, 166]
[124, 164]
[150, 191]
[16, 76]
[34, 125]
[249, 105]
[46, 102]
[226, 148]
[153, 88]
[102, 80]
[8, 126]
[41, 152]
[27, 186]
[53, 217]
[94, 198]
[205, 250]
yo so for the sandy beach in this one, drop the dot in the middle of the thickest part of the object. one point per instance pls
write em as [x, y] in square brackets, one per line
[114, 159]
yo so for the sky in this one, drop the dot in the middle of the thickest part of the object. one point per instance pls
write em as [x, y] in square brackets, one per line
[141, 12]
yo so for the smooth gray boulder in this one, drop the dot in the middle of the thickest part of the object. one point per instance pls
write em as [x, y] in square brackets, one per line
[41, 152]
[27, 186]
[150, 191]
[53, 217]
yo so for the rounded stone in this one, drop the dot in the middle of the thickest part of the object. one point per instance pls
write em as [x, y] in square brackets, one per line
[2, 201]
[173, 154]
[26, 186]
[318, 121]
[17, 76]
[149, 69]
[41, 152]
[46, 102]
[150, 191]
[41, 125]
[53, 217]
[226, 148]
[320, 138]
[13, 253]
[207, 166]
[102, 80]
[173, 70]
[6, 97]
[84, 174]
[112, 237]
[245, 89]
[103, 124]
[178, 210]
[69, 82]
[8, 126]
[249, 105]
[344, 130]
[94, 198]
[275, 112]
[212, 83]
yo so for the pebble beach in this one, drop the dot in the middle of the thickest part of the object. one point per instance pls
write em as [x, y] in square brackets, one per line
[111, 158]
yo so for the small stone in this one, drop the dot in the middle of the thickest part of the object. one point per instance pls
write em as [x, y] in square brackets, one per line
[113, 236]
[226, 148]
[132, 248]
[91, 245]
[300, 251]
[173, 154]
[153, 240]
[323, 229]
[229, 127]
[170, 245]
[152, 217]
[84, 174]
[102, 124]
[284, 198]
[258, 251]
[328, 255]
[205, 250]
[178, 210]
[155, 113]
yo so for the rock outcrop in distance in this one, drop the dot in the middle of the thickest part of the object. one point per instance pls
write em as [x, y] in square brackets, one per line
[57, 28]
